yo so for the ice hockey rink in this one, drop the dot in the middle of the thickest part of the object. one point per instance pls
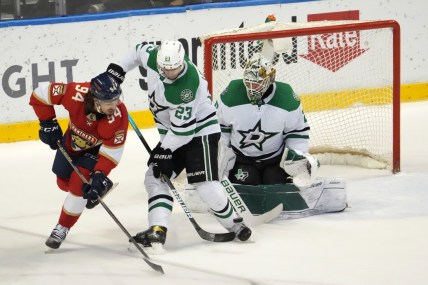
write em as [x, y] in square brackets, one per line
[380, 239]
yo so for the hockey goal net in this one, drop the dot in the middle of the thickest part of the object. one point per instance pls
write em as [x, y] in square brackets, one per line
[346, 73]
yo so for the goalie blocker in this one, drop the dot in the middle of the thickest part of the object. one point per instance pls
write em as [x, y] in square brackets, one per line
[325, 195]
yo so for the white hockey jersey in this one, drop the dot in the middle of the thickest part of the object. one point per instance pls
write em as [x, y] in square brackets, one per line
[260, 132]
[182, 107]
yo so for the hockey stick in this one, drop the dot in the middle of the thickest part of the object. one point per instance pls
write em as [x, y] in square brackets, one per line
[145, 256]
[214, 237]
[242, 209]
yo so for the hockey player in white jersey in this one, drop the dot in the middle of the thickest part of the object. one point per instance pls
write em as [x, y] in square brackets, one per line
[265, 140]
[259, 118]
[189, 133]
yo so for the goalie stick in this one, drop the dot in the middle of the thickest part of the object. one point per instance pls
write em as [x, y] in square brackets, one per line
[214, 237]
[242, 209]
[146, 258]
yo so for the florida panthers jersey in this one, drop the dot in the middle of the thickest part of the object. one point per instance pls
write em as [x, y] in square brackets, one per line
[182, 107]
[85, 130]
[261, 131]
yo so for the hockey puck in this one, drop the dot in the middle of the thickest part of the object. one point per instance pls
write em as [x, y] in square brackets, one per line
[238, 220]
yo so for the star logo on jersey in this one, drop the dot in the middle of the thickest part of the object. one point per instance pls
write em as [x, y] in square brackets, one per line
[241, 175]
[255, 137]
[154, 107]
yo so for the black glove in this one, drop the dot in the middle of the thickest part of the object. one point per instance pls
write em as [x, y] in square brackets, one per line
[116, 72]
[98, 186]
[50, 132]
[162, 162]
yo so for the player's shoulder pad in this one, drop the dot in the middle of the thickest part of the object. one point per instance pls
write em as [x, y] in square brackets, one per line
[235, 94]
[284, 97]
[152, 50]
[74, 92]
[146, 47]
[59, 88]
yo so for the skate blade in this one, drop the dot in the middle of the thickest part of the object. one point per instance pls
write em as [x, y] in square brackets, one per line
[155, 249]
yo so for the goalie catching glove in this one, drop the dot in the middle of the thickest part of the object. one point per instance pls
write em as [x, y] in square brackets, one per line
[302, 167]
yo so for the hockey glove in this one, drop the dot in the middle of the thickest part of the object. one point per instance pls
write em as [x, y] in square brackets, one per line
[50, 132]
[302, 167]
[116, 72]
[162, 162]
[98, 186]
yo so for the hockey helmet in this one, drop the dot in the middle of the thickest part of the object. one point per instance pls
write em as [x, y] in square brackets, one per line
[170, 57]
[259, 74]
[105, 91]
[104, 87]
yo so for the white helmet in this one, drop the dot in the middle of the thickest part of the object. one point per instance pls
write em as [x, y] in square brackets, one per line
[170, 56]
[258, 76]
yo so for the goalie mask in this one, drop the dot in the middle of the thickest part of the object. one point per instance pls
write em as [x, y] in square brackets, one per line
[258, 76]
[170, 59]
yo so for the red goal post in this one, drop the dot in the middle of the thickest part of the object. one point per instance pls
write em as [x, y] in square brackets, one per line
[346, 73]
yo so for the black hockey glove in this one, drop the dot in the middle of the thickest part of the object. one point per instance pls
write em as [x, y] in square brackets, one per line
[98, 186]
[162, 162]
[116, 72]
[50, 132]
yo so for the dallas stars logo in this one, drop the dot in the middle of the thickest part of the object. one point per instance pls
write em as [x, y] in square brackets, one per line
[241, 175]
[154, 107]
[255, 137]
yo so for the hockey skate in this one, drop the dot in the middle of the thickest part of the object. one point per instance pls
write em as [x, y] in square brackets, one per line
[243, 233]
[58, 235]
[153, 238]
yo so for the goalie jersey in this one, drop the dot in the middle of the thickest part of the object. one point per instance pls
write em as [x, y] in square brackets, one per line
[260, 132]
[182, 107]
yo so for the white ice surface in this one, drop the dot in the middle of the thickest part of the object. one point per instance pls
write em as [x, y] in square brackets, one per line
[381, 239]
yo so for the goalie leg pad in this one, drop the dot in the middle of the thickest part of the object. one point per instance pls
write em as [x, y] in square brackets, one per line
[326, 195]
